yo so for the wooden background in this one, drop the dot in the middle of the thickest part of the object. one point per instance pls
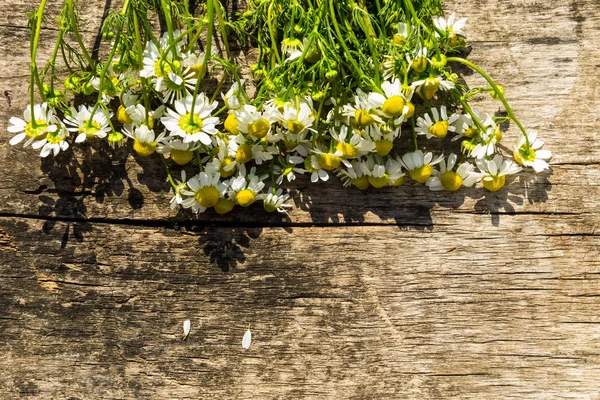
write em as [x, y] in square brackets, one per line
[398, 293]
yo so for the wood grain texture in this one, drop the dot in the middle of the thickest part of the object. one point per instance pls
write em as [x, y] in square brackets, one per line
[398, 293]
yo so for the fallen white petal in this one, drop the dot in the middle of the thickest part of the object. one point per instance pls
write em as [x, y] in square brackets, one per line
[247, 340]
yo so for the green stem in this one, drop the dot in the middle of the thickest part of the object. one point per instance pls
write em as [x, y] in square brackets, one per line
[75, 26]
[498, 92]
[34, 72]
[414, 132]
[272, 34]
[338, 32]
[209, 38]
[173, 184]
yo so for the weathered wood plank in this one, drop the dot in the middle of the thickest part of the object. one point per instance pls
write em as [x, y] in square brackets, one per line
[369, 312]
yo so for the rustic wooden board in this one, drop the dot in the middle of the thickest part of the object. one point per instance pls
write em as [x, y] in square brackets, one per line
[397, 293]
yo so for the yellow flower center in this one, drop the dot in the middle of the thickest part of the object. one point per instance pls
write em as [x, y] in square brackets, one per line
[226, 173]
[328, 161]
[90, 129]
[245, 197]
[259, 128]
[495, 184]
[144, 149]
[363, 118]
[393, 106]
[115, 138]
[164, 67]
[347, 149]
[498, 134]
[289, 145]
[224, 206]
[411, 109]
[399, 40]
[451, 181]
[207, 196]
[54, 137]
[122, 116]
[269, 207]
[195, 69]
[419, 64]
[308, 165]
[41, 126]
[525, 153]
[470, 132]
[439, 129]
[231, 124]
[421, 174]
[430, 87]
[295, 126]
[383, 147]
[181, 157]
[398, 182]
[361, 183]
[378, 183]
[244, 153]
[190, 123]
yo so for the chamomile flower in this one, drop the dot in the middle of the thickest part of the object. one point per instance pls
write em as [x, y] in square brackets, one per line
[382, 137]
[428, 87]
[180, 185]
[194, 62]
[203, 192]
[180, 152]
[418, 59]
[438, 126]
[234, 98]
[447, 179]
[192, 125]
[144, 139]
[246, 188]
[494, 172]
[87, 126]
[363, 111]
[450, 25]
[354, 175]
[532, 155]
[317, 172]
[292, 48]
[54, 142]
[464, 126]
[276, 201]
[392, 102]
[401, 36]
[297, 118]
[26, 128]
[486, 141]
[382, 173]
[255, 123]
[420, 165]
[350, 143]
[288, 168]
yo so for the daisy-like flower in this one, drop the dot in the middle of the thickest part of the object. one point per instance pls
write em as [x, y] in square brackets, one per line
[317, 172]
[234, 98]
[255, 123]
[194, 63]
[401, 37]
[418, 60]
[447, 179]
[532, 155]
[420, 165]
[293, 48]
[144, 139]
[428, 87]
[451, 25]
[494, 172]
[155, 66]
[181, 153]
[438, 126]
[180, 185]
[288, 168]
[276, 201]
[246, 188]
[383, 138]
[350, 143]
[203, 191]
[54, 142]
[364, 110]
[380, 173]
[464, 126]
[26, 128]
[87, 126]
[354, 175]
[392, 103]
[486, 141]
[297, 118]
[192, 125]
